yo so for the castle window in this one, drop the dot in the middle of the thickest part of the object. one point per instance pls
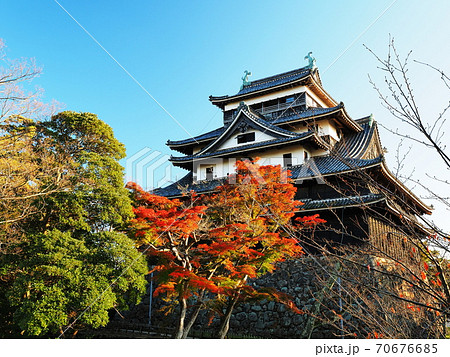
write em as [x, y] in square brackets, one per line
[245, 138]
[290, 99]
[287, 160]
[305, 155]
[210, 173]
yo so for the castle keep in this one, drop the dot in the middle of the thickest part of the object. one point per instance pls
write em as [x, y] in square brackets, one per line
[336, 161]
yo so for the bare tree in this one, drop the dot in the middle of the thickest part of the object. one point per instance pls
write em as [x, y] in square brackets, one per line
[395, 282]
[29, 168]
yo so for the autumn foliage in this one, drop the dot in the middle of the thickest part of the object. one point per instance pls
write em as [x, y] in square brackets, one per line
[212, 245]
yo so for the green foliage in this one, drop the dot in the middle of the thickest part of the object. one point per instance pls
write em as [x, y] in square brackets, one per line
[97, 199]
[66, 264]
[65, 279]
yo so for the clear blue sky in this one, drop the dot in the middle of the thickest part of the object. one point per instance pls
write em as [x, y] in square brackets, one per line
[183, 51]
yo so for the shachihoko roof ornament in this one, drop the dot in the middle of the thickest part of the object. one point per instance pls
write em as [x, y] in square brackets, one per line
[245, 79]
[311, 61]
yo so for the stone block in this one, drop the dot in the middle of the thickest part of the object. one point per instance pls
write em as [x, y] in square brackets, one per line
[268, 316]
[286, 321]
[260, 324]
[298, 320]
[253, 316]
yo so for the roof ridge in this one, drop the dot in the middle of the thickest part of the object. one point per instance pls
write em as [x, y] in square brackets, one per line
[277, 76]
[263, 121]
[309, 113]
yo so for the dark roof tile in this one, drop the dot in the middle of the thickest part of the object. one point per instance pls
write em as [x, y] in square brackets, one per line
[244, 147]
[310, 112]
[314, 205]
[176, 189]
[276, 80]
[326, 165]
[206, 136]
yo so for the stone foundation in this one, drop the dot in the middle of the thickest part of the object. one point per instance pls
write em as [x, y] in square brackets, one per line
[324, 303]
[267, 319]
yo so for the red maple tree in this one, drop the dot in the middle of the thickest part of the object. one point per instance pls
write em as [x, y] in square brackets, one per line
[215, 244]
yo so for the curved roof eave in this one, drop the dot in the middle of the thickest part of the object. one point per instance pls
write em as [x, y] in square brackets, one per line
[417, 201]
[373, 163]
[245, 148]
[246, 111]
[348, 202]
[340, 108]
[221, 101]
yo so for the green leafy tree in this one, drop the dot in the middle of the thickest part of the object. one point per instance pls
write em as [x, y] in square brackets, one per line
[66, 281]
[96, 199]
[71, 264]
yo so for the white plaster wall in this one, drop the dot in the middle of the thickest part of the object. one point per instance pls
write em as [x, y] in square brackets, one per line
[232, 141]
[318, 152]
[299, 128]
[316, 98]
[223, 167]
[275, 156]
[327, 128]
[197, 148]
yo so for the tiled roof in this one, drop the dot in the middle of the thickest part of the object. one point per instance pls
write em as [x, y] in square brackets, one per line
[355, 144]
[270, 123]
[266, 83]
[326, 165]
[176, 188]
[310, 112]
[263, 122]
[276, 80]
[206, 136]
[315, 205]
[247, 147]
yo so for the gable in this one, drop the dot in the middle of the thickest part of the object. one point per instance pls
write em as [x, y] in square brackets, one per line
[246, 128]
[240, 138]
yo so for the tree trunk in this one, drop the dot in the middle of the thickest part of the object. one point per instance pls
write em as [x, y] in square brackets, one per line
[225, 323]
[183, 308]
[192, 320]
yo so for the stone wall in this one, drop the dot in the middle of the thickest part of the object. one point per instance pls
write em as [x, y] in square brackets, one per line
[267, 319]
[327, 305]
[275, 320]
